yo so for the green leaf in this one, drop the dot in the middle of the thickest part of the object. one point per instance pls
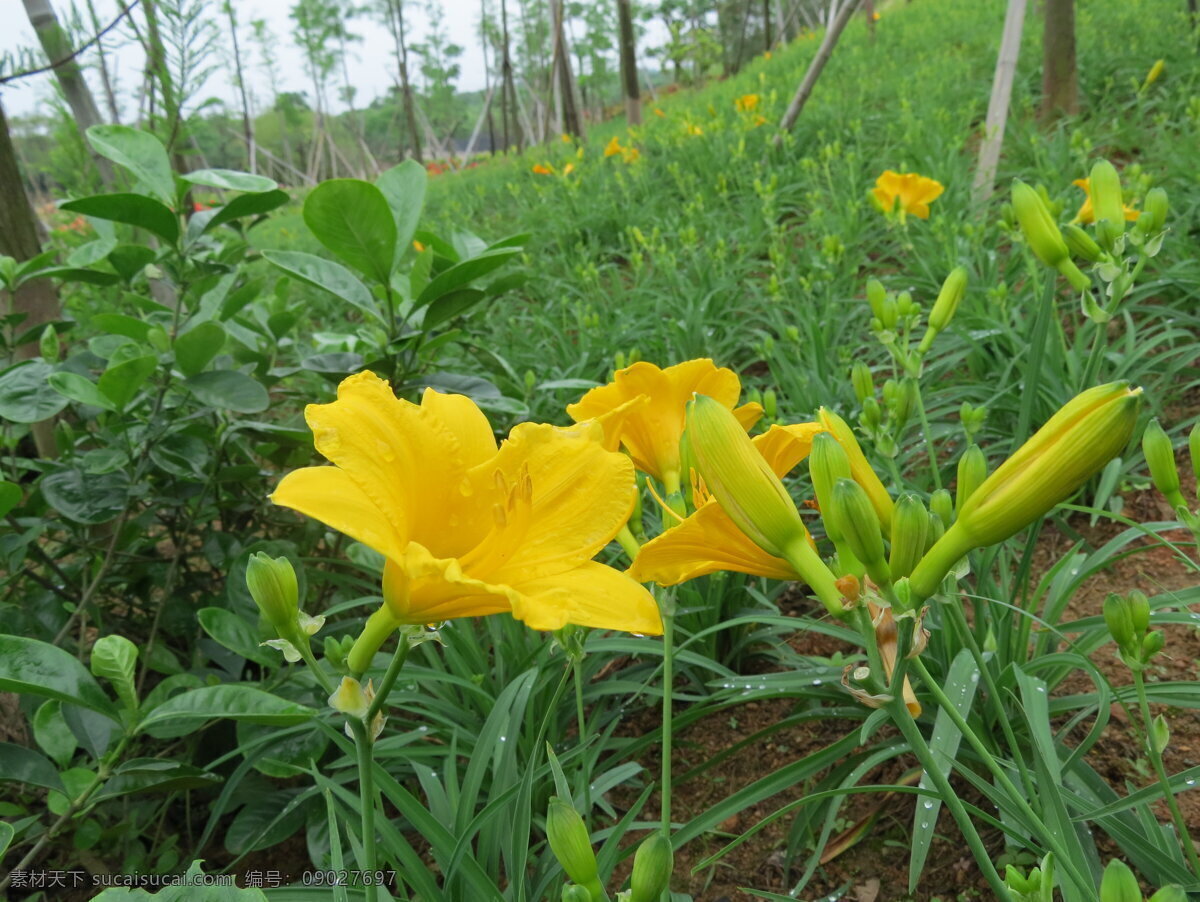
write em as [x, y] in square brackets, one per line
[139, 152]
[85, 497]
[32, 667]
[23, 395]
[403, 187]
[79, 389]
[121, 324]
[352, 218]
[235, 634]
[327, 275]
[78, 274]
[114, 657]
[131, 209]
[247, 205]
[155, 775]
[52, 733]
[178, 716]
[451, 305]
[21, 765]
[229, 390]
[461, 273]
[130, 259]
[6, 837]
[230, 179]
[285, 753]
[121, 381]
[197, 346]
[10, 497]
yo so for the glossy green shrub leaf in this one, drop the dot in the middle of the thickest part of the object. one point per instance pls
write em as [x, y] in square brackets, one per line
[114, 658]
[21, 765]
[155, 775]
[289, 755]
[23, 394]
[230, 179]
[80, 390]
[94, 731]
[6, 837]
[451, 305]
[121, 381]
[130, 259]
[353, 220]
[131, 209]
[327, 275]
[265, 821]
[404, 188]
[86, 497]
[121, 324]
[53, 735]
[229, 390]
[462, 273]
[139, 152]
[195, 348]
[10, 496]
[234, 633]
[32, 667]
[247, 205]
[79, 274]
[179, 715]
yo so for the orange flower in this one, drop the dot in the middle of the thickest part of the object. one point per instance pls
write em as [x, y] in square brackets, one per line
[542, 169]
[418, 247]
[760, 119]
[746, 102]
[613, 147]
[1086, 214]
[907, 192]
[631, 155]
[658, 112]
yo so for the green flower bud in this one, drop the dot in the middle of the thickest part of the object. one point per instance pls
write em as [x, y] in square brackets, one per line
[948, 299]
[905, 305]
[876, 294]
[652, 866]
[1119, 622]
[1162, 732]
[1194, 453]
[1139, 612]
[910, 530]
[942, 504]
[936, 530]
[972, 471]
[872, 414]
[575, 893]
[890, 314]
[336, 650]
[770, 404]
[1043, 236]
[272, 585]
[859, 525]
[1107, 203]
[1170, 893]
[864, 384]
[1160, 457]
[1156, 207]
[569, 841]
[1118, 883]
[1081, 244]
[827, 463]
[1152, 644]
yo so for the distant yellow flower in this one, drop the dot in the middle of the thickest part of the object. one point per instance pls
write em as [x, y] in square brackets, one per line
[467, 528]
[651, 431]
[746, 102]
[659, 113]
[418, 247]
[875, 17]
[758, 120]
[613, 147]
[568, 169]
[708, 540]
[1086, 214]
[694, 130]
[909, 192]
[631, 154]
[767, 55]
[566, 139]
[1153, 75]
[542, 169]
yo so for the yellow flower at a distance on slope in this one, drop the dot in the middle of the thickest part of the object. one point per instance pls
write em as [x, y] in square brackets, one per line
[694, 130]
[1087, 215]
[651, 431]
[542, 169]
[906, 192]
[613, 147]
[746, 103]
[468, 528]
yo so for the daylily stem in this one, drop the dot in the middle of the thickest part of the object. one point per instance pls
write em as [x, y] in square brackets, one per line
[389, 678]
[1185, 838]
[367, 802]
[581, 725]
[813, 571]
[668, 619]
[628, 543]
[379, 626]
[933, 462]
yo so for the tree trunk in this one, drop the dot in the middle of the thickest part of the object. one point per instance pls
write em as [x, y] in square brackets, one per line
[629, 75]
[997, 114]
[19, 239]
[156, 63]
[816, 66]
[1060, 78]
[766, 14]
[247, 120]
[570, 121]
[508, 89]
[869, 11]
[396, 21]
[70, 78]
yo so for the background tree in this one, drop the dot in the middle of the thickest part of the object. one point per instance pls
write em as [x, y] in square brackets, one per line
[239, 81]
[316, 30]
[1060, 78]
[629, 72]
[392, 12]
[439, 70]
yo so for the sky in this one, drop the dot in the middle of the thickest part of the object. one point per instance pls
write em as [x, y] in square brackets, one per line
[372, 64]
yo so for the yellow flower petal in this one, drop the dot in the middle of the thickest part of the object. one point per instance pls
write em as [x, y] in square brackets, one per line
[590, 595]
[329, 494]
[703, 543]
[421, 588]
[748, 414]
[462, 417]
[785, 446]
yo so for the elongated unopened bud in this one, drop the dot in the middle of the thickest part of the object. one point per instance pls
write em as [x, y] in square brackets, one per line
[876, 294]
[860, 470]
[1074, 445]
[1156, 207]
[1118, 884]
[860, 378]
[948, 299]
[575, 893]
[1043, 236]
[1081, 244]
[652, 866]
[569, 841]
[972, 471]
[1107, 203]
[1194, 453]
[910, 528]
[859, 525]
[1119, 622]
[1160, 457]
[942, 504]
[272, 585]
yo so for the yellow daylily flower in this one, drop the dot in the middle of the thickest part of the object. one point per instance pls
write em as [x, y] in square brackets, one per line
[467, 528]
[631, 154]
[651, 431]
[613, 147]
[658, 112]
[694, 130]
[1087, 215]
[543, 169]
[708, 540]
[909, 192]
[746, 102]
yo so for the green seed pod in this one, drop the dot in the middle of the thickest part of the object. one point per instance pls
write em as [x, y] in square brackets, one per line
[858, 523]
[910, 531]
[1105, 184]
[1119, 622]
[876, 294]
[864, 384]
[1139, 612]
[1152, 644]
[569, 841]
[942, 504]
[1081, 244]
[1160, 457]
[972, 471]
[272, 585]
[652, 866]
[1119, 884]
